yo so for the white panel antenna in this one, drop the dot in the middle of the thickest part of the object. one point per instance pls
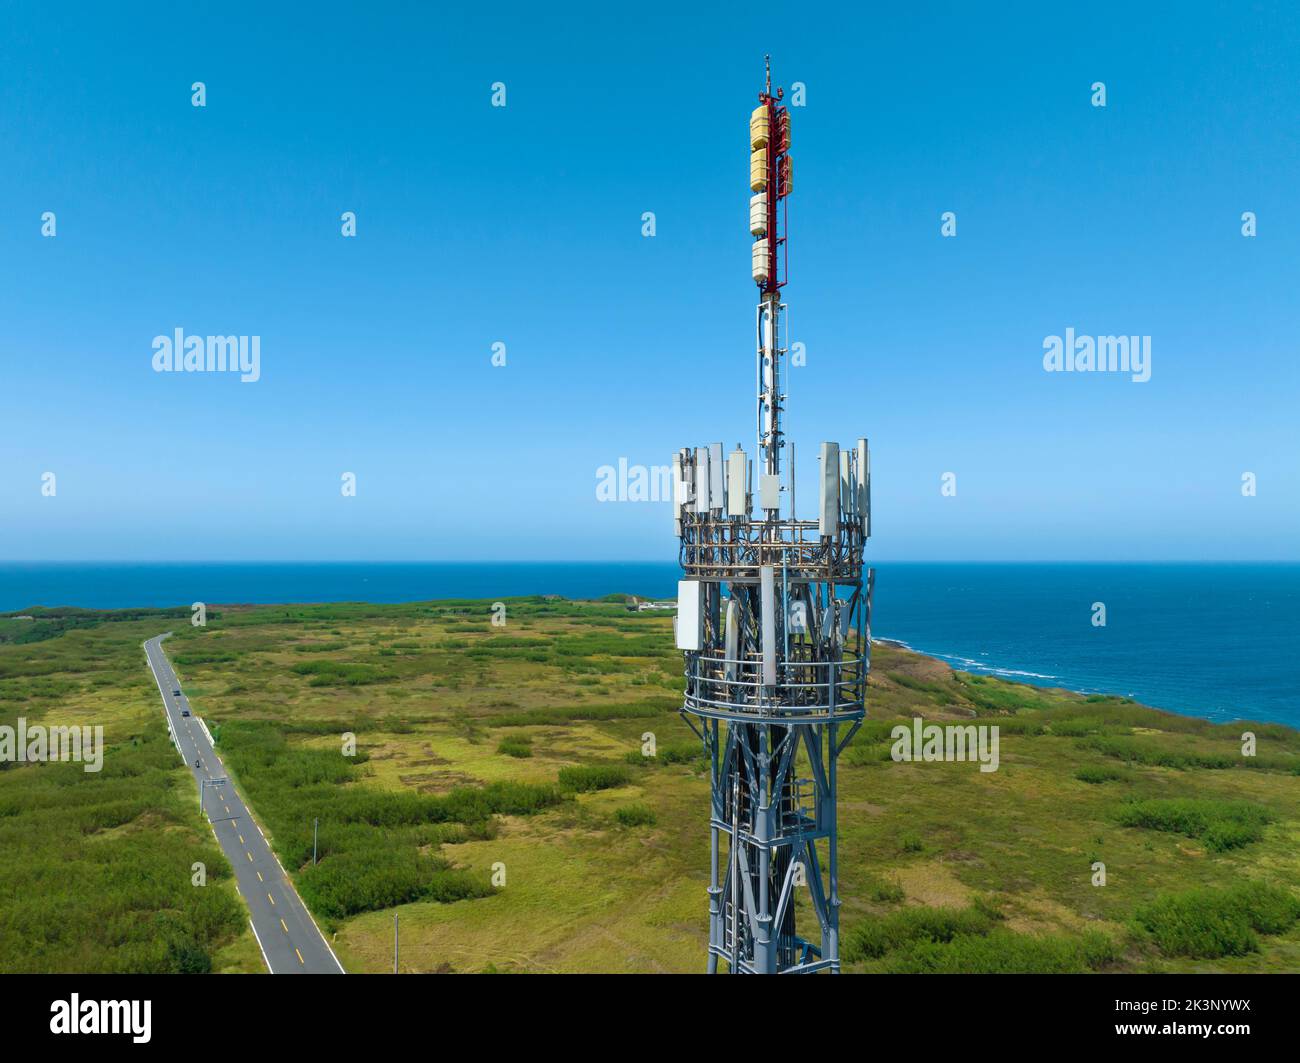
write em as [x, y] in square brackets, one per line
[864, 487]
[828, 520]
[848, 486]
[690, 615]
[702, 500]
[737, 484]
[717, 477]
[767, 603]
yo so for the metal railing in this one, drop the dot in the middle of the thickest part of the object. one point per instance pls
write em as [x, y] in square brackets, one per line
[806, 691]
[720, 548]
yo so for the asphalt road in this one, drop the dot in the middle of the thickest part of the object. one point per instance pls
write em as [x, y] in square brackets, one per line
[290, 940]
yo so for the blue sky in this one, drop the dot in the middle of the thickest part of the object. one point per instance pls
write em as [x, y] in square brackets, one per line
[522, 225]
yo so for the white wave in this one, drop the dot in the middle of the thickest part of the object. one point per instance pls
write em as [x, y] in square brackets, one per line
[970, 662]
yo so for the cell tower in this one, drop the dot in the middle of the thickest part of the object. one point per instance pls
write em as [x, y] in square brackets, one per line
[776, 629]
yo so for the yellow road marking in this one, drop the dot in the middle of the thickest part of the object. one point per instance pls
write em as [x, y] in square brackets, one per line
[300, 959]
[286, 929]
[241, 840]
[271, 899]
[259, 877]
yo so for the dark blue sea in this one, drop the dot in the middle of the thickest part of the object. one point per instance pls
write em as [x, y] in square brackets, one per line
[1219, 640]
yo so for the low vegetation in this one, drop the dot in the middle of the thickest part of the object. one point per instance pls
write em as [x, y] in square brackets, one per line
[637, 815]
[1221, 825]
[1210, 923]
[491, 785]
[873, 938]
[518, 746]
[588, 777]
[373, 847]
[99, 868]
[1002, 951]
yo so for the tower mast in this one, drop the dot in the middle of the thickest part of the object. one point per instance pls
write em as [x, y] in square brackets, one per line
[769, 179]
[776, 631]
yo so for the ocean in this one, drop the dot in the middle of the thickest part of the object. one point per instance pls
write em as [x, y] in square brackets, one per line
[1218, 640]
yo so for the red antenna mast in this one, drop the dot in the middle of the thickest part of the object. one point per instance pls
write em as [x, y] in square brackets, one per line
[769, 129]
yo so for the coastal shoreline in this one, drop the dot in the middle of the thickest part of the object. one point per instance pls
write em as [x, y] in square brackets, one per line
[1030, 622]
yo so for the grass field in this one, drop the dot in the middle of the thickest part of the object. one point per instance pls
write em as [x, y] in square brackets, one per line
[98, 868]
[498, 801]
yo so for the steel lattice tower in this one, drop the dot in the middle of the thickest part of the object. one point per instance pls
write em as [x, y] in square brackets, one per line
[775, 623]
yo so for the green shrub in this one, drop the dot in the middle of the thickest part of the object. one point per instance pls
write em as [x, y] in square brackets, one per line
[588, 777]
[108, 845]
[1098, 775]
[1077, 726]
[1209, 923]
[875, 937]
[468, 804]
[635, 816]
[588, 645]
[339, 673]
[1220, 825]
[866, 754]
[1142, 750]
[379, 876]
[188, 958]
[995, 696]
[516, 746]
[885, 891]
[1002, 951]
[910, 842]
[939, 693]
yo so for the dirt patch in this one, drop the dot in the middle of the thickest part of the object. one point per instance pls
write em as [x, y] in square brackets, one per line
[934, 884]
[437, 782]
[1036, 914]
[862, 806]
